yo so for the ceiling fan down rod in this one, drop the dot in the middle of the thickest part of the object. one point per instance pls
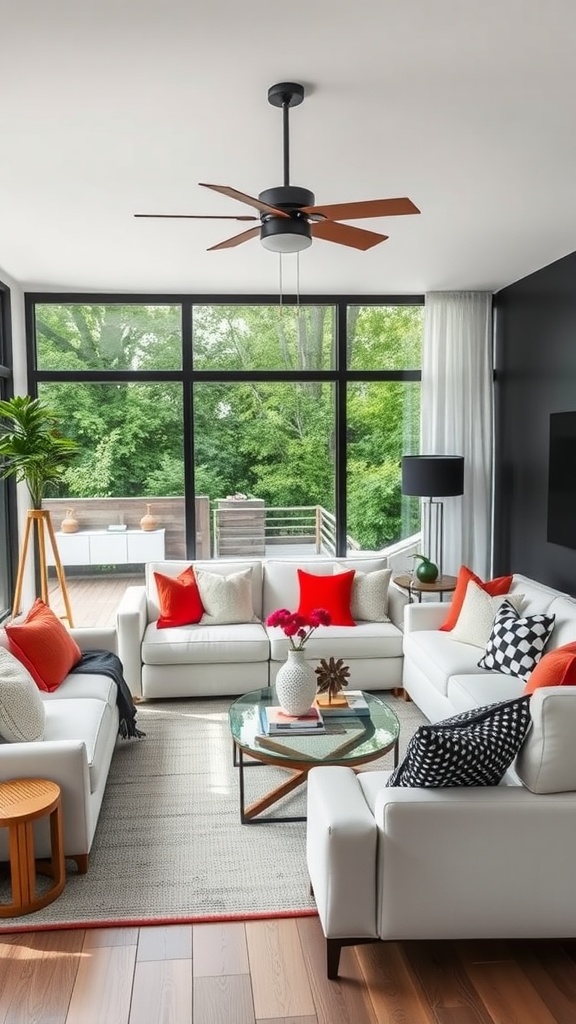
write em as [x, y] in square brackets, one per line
[286, 141]
[286, 95]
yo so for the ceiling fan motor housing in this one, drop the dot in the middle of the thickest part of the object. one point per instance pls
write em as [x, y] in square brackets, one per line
[288, 197]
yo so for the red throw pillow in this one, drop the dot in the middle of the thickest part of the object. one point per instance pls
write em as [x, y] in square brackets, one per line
[556, 668]
[499, 585]
[43, 644]
[179, 599]
[333, 593]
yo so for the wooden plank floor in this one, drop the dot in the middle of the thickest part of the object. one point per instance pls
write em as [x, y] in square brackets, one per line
[273, 972]
[93, 600]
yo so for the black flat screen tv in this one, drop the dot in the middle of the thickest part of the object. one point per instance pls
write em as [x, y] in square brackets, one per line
[562, 480]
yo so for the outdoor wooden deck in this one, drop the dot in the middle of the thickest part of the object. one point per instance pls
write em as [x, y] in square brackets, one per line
[93, 600]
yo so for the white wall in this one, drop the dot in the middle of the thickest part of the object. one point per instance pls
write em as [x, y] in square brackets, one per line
[20, 388]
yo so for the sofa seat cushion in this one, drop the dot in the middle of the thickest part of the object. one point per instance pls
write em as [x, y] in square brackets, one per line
[89, 720]
[365, 640]
[80, 685]
[439, 657]
[466, 692]
[204, 645]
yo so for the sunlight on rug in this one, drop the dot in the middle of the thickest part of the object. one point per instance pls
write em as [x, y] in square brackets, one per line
[169, 846]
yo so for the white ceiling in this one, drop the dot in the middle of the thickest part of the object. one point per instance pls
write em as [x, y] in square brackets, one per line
[111, 107]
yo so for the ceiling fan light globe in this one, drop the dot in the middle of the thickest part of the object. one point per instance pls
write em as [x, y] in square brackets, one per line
[285, 235]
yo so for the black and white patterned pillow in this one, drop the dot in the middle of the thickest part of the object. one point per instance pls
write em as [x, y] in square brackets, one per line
[471, 749]
[516, 644]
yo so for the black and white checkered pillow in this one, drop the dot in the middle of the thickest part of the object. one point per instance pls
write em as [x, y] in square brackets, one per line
[516, 644]
[471, 749]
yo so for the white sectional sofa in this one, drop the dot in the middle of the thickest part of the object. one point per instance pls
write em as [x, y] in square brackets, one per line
[442, 676]
[211, 659]
[394, 863]
[80, 734]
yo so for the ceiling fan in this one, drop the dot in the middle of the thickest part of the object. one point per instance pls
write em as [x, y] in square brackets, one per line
[289, 218]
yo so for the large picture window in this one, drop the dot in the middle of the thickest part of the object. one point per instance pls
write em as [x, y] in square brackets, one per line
[289, 419]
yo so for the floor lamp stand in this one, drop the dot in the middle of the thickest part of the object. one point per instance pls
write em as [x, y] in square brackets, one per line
[433, 531]
[41, 521]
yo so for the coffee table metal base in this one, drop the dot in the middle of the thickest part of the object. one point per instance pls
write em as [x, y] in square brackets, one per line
[252, 815]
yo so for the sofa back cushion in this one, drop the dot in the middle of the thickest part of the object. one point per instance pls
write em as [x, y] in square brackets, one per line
[546, 762]
[537, 597]
[281, 588]
[224, 567]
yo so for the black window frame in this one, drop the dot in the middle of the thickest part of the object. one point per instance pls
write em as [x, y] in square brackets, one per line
[340, 375]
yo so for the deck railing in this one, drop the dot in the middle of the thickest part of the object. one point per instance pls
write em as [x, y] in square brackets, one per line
[244, 527]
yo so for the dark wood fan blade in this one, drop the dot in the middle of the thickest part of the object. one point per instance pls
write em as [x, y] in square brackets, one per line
[344, 234]
[244, 236]
[196, 216]
[233, 193]
[368, 208]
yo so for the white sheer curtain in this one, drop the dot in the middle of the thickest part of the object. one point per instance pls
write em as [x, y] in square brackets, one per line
[457, 417]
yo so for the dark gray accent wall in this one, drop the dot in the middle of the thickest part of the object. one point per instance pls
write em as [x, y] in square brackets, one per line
[535, 361]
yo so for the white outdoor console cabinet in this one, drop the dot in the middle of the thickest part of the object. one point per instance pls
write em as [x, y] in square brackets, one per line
[108, 547]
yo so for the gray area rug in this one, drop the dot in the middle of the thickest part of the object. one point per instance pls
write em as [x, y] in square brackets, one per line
[169, 846]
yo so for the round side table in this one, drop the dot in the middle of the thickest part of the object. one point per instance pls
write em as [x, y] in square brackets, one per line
[443, 585]
[22, 802]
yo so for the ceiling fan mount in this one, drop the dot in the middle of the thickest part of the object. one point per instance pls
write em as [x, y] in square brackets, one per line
[289, 217]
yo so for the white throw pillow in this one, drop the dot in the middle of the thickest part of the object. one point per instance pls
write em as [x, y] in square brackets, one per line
[22, 711]
[477, 615]
[369, 601]
[226, 599]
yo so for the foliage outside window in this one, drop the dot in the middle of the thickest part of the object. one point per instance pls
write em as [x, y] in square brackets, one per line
[240, 397]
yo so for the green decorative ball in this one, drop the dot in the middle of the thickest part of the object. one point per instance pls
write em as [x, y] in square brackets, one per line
[427, 571]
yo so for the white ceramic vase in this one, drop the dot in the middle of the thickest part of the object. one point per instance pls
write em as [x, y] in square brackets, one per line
[296, 684]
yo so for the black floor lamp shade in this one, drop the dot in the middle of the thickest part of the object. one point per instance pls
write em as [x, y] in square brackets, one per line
[433, 476]
[429, 477]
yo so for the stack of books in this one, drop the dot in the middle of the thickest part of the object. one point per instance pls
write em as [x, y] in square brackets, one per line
[343, 706]
[276, 722]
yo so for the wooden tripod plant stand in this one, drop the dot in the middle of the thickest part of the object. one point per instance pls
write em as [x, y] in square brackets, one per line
[42, 521]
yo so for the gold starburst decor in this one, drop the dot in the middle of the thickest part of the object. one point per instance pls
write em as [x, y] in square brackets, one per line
[332, 676]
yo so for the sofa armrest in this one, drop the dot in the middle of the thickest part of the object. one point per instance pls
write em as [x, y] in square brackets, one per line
[102, 638]
[341, 839]
[131, 622]
[397, 602]
[428, 615]
[64, 762]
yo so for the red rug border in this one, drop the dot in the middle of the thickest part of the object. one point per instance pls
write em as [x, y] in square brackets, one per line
[141, 922]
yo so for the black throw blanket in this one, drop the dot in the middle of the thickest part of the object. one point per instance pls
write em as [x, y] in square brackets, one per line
[105, 663]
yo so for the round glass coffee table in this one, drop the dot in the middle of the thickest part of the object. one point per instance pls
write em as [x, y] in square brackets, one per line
[350, 741]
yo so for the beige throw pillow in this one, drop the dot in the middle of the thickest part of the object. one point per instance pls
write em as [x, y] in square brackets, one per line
[369, 601]
[22, 711]
[477, 615]
[226, 599]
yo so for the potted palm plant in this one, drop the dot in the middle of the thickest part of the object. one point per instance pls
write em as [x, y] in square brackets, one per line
[31, 446]
[33, 450]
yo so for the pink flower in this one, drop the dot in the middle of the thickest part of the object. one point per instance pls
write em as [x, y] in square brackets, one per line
[301, 626]
[319, 617]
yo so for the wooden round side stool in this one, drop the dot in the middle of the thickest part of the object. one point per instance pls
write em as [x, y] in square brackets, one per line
[22, 802]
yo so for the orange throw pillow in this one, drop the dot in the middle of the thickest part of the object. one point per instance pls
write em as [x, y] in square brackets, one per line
[333, 593]
[556, 668]
[499, 585]
[44, 646]
[179, 599]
